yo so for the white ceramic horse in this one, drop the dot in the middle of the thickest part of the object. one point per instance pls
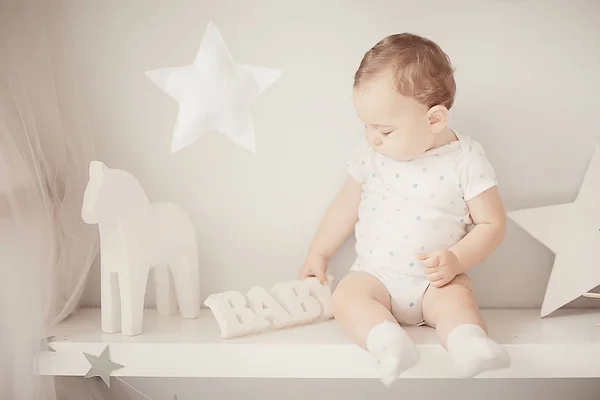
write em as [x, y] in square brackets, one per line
[135, 236]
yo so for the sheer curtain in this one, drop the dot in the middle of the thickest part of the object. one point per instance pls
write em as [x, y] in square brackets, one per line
[46, 145]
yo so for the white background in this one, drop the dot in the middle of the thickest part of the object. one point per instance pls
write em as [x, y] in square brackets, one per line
[528, 83]
[527, 77]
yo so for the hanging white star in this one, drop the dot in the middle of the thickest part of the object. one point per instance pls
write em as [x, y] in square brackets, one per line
[213, 93]
[572, 232]
[101, 366]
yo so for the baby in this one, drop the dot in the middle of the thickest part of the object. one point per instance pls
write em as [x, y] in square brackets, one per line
[423, 202]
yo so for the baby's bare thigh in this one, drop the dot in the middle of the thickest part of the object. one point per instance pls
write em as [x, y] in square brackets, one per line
[456, 294]
[359, 285]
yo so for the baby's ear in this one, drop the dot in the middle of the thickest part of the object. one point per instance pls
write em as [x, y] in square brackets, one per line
[438, 118]
[97, 169]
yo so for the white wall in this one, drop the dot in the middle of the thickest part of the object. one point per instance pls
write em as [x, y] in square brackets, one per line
[527, 83]
[527, 74]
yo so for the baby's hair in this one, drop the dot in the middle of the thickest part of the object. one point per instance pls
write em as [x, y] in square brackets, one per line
[419, 66]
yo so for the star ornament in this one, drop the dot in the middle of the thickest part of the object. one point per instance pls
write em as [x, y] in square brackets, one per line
[572, 232]
[46, 344]
[213, 93]
[101, 366]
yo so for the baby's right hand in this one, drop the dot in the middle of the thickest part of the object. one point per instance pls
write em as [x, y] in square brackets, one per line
[314, 266]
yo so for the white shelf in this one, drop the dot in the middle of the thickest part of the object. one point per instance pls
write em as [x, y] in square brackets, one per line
[565, 345]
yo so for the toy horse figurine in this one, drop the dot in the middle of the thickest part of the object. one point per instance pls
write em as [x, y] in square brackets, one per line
[135, 236]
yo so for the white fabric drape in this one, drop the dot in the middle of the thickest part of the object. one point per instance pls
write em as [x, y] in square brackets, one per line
[46, 145]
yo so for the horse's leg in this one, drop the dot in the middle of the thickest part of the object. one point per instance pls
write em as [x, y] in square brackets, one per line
[132, 283]
[186, 276]
[110, 304]
[166, 302]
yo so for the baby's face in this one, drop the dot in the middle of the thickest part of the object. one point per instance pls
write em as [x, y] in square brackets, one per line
[395, 126]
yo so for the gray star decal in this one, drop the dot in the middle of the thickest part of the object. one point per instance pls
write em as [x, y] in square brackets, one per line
[46, 344]
[101, 366]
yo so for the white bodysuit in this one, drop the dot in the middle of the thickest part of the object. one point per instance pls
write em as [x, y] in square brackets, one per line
[411, 207]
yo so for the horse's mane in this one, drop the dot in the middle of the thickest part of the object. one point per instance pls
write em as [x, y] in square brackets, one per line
[136, 194]
[122, 193]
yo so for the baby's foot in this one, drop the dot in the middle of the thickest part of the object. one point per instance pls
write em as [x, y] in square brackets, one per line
[473, 352]
[395, 361]
[393, 349]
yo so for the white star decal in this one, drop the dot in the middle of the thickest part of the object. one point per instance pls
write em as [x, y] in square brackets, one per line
[213, 93]
[572, 232]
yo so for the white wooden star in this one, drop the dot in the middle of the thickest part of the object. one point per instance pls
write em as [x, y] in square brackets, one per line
[213, 93]
[572, 232]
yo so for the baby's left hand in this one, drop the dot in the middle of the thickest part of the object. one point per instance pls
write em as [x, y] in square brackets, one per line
[441, 266]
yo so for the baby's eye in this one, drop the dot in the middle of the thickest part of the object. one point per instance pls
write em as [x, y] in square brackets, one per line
[386, 133]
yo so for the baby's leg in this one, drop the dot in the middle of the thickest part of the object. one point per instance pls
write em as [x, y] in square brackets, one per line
[453, 311]
[361, 304]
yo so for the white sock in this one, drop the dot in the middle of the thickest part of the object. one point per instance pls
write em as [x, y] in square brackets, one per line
[393, 349]
[473, 352]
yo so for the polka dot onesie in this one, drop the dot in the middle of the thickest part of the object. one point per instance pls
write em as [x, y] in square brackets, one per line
[411, 207]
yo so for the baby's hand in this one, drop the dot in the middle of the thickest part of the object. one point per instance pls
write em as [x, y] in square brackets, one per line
[441, 266]
[314, 266]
